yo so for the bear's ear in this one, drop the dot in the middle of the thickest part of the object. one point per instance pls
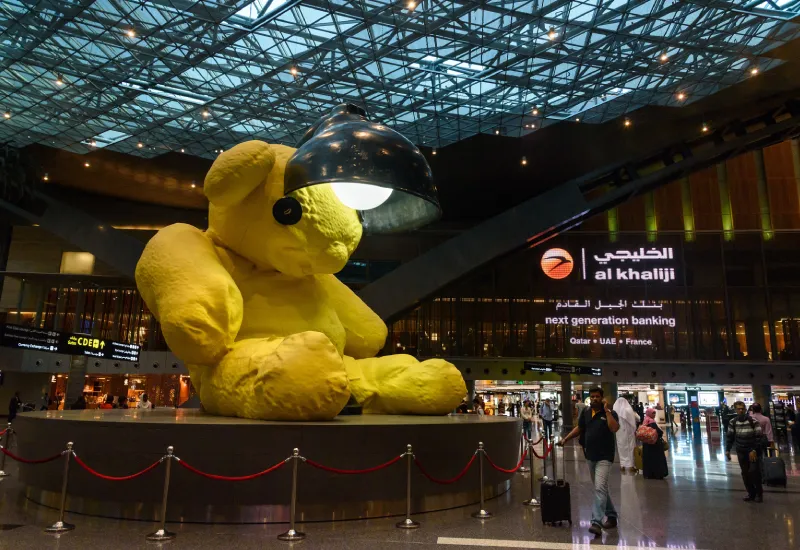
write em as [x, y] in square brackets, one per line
[238, 171]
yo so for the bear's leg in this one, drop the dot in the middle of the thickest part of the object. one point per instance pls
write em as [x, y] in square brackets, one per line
[300, 377]
[399, 384]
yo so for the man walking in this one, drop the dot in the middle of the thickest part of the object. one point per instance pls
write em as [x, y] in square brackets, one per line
[596, 428]
[546, 414]
[746, 434]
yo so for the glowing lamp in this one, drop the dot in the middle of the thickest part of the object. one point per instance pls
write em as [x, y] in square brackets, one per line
[371, 168]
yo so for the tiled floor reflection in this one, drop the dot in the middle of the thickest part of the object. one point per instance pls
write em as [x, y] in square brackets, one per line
[698, 507]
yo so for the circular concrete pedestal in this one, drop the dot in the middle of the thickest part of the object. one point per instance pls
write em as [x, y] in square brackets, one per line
[120, 442]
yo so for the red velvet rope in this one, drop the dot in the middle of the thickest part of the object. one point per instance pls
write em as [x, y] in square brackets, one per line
[546, 453]
[350, 472]
[3, 432]
[513, 470]
[95, 473]
[446, 481]
[232, 478]
[12, 456]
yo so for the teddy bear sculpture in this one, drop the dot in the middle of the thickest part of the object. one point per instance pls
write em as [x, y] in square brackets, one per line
[253, 308]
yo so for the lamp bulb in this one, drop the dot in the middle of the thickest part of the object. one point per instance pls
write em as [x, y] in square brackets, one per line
[361, 196]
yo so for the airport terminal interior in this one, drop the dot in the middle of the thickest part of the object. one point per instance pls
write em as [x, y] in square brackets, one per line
[400, 274]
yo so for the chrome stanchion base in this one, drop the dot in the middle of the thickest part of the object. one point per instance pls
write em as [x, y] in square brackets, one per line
[4, 473]
[291, 535]
[482, 514]
[524, 469]
[161, 535]
[59, 527]
[533, 502]
[408, 523]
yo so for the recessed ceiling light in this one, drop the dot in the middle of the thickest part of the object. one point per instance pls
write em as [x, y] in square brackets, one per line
[681, 96]
[293, 70]
[86, 164]
[7, 114]
[664, 57]
[46, 177]
[754, 71]
[552, 34]
[59, 80]
[140, 145]
[131, 33]
[627, 122]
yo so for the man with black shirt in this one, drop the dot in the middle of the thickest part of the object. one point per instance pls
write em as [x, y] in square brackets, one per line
[596, 428]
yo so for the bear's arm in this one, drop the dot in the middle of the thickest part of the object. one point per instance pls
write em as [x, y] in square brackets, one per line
[185, 285]
[365, 331]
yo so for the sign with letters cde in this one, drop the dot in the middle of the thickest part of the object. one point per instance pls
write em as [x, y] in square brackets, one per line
[18, 336]
[629, 265]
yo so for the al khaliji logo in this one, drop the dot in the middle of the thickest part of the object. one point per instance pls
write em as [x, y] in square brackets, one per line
[557, 263]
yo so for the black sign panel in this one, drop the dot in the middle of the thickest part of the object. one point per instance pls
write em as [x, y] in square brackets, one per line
[16, 336]
[562, 368]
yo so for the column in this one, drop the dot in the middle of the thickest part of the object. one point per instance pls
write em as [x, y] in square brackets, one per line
[566, 403]
[610, 392]
[470, 390]
[77, 379]
[650, 218]
[613, 224]
[688, 209]
[763, 194]
[725, 200]
[762, 394]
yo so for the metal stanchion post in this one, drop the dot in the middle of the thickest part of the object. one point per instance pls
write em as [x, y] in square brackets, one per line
[533, 501]
[408, 523]
[482, 513]
[544, 461]
[292, 534]
[60, 526]
[523, 444]
[3, 472]
[162, 534]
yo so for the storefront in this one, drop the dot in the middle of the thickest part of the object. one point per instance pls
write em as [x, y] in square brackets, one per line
[164, 390]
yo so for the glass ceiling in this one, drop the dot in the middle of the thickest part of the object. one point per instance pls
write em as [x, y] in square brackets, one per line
[146, 77]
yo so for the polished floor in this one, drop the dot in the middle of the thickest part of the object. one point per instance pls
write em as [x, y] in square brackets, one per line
[698, 507]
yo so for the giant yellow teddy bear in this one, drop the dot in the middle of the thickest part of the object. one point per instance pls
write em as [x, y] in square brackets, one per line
[253, 308]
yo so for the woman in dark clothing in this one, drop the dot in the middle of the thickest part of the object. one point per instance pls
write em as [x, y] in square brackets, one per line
[654, 461]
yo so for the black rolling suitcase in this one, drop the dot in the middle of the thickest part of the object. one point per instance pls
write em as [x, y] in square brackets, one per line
[556, 506]
[773, 469]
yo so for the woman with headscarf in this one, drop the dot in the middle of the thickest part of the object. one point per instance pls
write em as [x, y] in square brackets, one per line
[626, 436]
[654, 461]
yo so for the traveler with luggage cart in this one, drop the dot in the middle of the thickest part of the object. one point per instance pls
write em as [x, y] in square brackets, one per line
[596, 428]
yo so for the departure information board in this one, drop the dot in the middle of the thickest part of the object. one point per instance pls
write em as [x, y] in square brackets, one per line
[17, 336]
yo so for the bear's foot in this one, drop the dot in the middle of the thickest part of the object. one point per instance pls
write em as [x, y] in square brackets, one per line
[300, 377]
[399, 384]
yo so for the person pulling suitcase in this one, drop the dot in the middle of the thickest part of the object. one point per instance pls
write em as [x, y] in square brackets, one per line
[596, 428]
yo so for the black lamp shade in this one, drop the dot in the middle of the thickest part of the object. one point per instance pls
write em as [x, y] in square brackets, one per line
[345, 147]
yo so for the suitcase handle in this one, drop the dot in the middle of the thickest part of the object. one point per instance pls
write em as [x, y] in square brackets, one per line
[563, 479]
[768, 449]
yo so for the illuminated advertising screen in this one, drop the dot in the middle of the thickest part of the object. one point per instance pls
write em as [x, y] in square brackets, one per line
[677, 398]
[17, 336]
[612, 323]
[708, 398]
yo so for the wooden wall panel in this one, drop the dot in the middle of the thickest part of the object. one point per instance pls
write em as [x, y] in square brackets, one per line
[631, 215]
[669, 210]
[705, 199]
[783, 199]
[744, 192]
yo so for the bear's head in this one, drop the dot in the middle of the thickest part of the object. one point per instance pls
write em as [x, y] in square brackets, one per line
[243, 185]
